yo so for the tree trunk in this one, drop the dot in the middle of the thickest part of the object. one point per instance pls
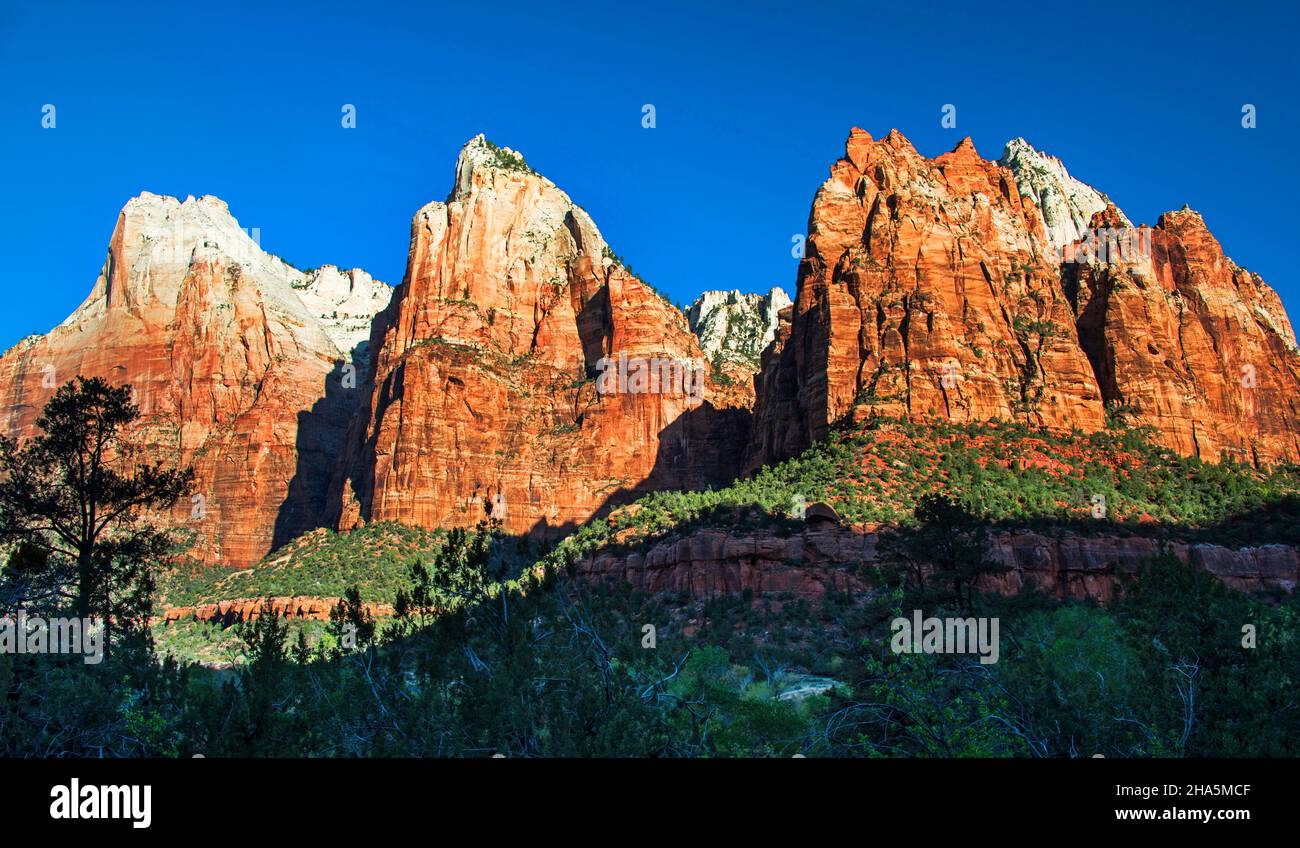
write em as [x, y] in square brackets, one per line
[83, 583]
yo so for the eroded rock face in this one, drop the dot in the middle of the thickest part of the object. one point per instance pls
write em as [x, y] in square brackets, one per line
[935, 288]
[486, 394]
[929, 288]
[232, 369]
[736, 327]
[733, 331]
[345, 303]
[1065, 204]
[1188, 342]
[825, 557]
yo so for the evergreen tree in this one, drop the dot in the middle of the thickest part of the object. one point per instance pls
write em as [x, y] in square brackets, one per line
[75, 497]
[948, 543]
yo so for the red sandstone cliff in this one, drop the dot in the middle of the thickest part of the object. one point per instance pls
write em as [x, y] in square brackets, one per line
[826, 557]
[241, 610]
[485, 392]
[234, 367]
[1197, 347]
[931, 288]
[928, 288]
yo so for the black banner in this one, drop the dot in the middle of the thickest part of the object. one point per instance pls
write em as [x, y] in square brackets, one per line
[312, 797]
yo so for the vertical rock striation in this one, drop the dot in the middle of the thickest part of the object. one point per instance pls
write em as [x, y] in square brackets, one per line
[1065, 204]
[965, 289]
[485, 394]
[1187, 342]
[521, 371]
[928, 288]
[734, 329]
[229, 362]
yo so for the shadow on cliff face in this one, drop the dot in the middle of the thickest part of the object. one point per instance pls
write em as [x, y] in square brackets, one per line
[543, 530]
[322, 436]
[950, 556]
[1090, 324]
[702, 448]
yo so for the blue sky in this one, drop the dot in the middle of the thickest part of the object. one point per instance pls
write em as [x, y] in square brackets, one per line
[753, 103]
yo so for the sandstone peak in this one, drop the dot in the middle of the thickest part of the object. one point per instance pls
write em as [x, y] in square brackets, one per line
[519, 224]
[160, 241]
[1066, 204]
[966, 146]
[1184, 217]
[233, 357]
[156, 244]
[480, 156]
[211, 201]
[976, 328]
[898, 141]
[929, 289]
[1201, 349]
[855, 147]
[734, 326]
[995, 321]
[1110, 217]
[484, 390]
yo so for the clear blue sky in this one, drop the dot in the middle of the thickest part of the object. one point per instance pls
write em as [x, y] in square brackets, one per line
[242, 100]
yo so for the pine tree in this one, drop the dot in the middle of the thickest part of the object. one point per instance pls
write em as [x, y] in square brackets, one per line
[76, 495]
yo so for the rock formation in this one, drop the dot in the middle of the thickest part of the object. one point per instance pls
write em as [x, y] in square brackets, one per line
[940, 288]
[241, 610]
[736, 327]
[733, 330]
[522, 372]
[1065, 204]
[509, 374]
[345, 303]
[232, 367]
[928, 288]
[1186, 341]
[825, 558]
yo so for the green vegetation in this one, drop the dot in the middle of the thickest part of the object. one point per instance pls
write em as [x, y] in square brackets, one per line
[496, 647]
[319, 564]
[563, 667]
[717, 370]
[507, 160]
[741, 337]
[76, 515]
[1006, 473]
